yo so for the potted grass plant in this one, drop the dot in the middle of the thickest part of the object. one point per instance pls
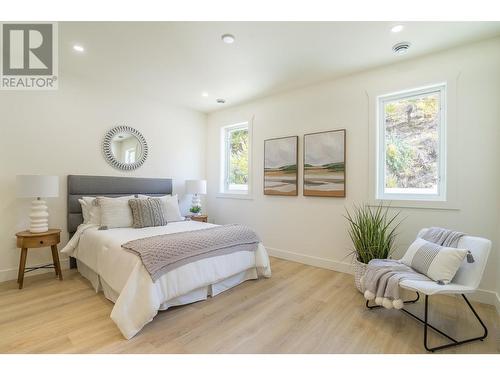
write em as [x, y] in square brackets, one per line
[373, 232]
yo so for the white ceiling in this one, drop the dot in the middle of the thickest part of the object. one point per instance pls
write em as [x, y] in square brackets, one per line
[175, 62]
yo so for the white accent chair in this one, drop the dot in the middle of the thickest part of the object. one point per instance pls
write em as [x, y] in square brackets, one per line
[466, 281]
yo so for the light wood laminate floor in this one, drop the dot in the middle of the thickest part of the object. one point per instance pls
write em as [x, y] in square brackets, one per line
[301, 309]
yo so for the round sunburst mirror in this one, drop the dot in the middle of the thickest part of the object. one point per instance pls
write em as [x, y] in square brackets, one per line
[125, 148]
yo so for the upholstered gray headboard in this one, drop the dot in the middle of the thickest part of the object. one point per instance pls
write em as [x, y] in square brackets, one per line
[90, 186]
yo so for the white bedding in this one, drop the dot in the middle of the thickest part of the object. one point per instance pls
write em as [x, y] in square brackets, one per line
[139, 299]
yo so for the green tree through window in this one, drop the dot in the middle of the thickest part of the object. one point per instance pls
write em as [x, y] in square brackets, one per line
[412, 145]
[238, 158]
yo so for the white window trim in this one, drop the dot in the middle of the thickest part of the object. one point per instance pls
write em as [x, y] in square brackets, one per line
[224, 191]
[380, 193]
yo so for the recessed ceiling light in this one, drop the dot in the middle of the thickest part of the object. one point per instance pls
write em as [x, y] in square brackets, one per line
[204, 94]
[397, 28]
[78, 48]
[401, 48]
[221, 101]
[228, 38]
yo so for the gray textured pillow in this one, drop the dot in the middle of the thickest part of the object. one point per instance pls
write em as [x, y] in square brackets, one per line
[147, 212]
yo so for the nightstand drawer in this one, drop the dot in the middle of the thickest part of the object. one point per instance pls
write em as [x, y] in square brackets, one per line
[46, 241]
[202, 218]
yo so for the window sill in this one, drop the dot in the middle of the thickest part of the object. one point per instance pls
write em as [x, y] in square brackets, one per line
[234, 196]
[417, 204]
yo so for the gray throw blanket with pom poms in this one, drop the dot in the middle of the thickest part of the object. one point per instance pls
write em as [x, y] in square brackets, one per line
[381, 281]
[382, 277]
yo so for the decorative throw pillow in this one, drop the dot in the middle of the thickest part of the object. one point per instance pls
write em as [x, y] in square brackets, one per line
[93, 210]
[171, 205]
[437, 262]
[115, 212]
[147, 212]
[85, 211]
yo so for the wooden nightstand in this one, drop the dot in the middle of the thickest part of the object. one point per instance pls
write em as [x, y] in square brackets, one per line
[27, 240]
[202, 218]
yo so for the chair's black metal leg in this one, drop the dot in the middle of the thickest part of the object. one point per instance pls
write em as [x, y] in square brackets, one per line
[426, 322]
[414, 300]
[427, 325]
[426, 312]
[455, 342]
[485, 334]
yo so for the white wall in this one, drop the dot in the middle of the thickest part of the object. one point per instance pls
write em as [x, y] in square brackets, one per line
[312, 229]
[498, 252]
[60, 133]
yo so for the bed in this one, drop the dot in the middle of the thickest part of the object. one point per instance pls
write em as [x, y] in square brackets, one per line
[121, 275]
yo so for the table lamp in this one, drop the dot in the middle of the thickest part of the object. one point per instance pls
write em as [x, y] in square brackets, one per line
[196, 187]
[35, 186]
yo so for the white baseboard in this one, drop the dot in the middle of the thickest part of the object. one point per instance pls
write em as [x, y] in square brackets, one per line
[484, 296]
[487, 296]
[497, 302]
[334, 265]
[11, 273]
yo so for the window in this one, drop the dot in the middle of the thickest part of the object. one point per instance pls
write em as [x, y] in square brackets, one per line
[130, 156]
[411, 162]
[235, 159]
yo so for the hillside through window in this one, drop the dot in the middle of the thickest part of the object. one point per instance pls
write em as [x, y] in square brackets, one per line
[411, 158]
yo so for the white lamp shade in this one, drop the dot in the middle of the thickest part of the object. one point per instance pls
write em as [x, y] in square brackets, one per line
[36, 186]
[196, 186]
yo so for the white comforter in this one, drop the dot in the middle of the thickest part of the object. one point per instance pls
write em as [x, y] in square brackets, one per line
[139, 298]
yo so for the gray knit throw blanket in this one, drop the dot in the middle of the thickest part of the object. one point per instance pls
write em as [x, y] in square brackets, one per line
[165, 252]
[382, 277]
[442, 236]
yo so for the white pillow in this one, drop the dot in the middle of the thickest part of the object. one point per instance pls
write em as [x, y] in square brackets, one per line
[115, 212]
[94, 211]
[437, 262]
[173, 213]
[85, 211]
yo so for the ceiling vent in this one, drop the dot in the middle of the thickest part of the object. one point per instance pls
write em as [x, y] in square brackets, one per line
[220, 101]
[401, 48]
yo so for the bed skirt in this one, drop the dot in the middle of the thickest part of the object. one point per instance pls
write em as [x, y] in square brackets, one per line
[200, 294]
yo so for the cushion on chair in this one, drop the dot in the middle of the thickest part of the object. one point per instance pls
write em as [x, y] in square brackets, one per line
[437, 262]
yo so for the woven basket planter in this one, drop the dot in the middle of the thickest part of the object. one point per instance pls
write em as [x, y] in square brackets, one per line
[359, 271]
